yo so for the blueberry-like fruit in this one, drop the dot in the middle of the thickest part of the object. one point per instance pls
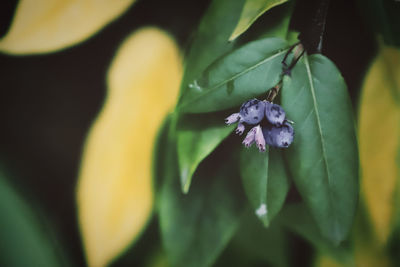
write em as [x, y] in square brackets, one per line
[274, 113]
[252, 111]
[279, 136]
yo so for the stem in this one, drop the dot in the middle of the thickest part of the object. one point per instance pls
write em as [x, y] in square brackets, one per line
[274, 91]
[288, 52]
[320, 18]
[298, 53]
[312, 23]
[286, 70]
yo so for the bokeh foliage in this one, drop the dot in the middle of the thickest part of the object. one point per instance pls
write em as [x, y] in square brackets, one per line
[205, 188]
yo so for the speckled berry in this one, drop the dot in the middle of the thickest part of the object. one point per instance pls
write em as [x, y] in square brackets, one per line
[274, 113]
[252, 111]
[279, 136]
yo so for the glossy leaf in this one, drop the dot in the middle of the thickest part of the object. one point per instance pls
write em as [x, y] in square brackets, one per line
[211, 38]
[115, 195]
[255, 245]
[205, 134]
[209, 44]
[274, 24]
[196, 227]
[298, 219]
[252, 10]
[323, 157]
[265, 181]
[243, 74]
[379, 132]
[197, 137]
[203, 138]
[24, 241]
[42, 26]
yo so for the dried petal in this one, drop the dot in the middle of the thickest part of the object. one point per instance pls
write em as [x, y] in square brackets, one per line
[259, 138]
[232, 118]
[250, 137]
[240, 128]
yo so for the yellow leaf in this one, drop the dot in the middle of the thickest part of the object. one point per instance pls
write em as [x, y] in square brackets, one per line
[365, 256]
[41, 26]
[379, 132]
[114, 192]
[252, 10]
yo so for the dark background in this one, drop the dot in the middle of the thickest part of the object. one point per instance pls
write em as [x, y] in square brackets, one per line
[48, 102]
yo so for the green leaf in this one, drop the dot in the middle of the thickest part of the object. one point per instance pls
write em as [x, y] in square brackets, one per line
[197, 137]
[245, 73]
[24, 240]
[211, 38]
[252, 10]
[298, 219]
[210, 43]
[255, 245]
[265, 181]
[206, 133]
[160, 152]
[323, 157]
[275, 24]
[196, 227]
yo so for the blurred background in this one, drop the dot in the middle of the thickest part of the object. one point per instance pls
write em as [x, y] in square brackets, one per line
[48, 102]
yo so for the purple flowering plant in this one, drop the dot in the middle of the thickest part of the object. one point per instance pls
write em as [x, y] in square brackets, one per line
[268, 121]
[283, 96]
[222, 194]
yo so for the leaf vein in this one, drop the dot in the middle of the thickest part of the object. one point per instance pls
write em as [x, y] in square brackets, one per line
[210, 90]
[310, 79]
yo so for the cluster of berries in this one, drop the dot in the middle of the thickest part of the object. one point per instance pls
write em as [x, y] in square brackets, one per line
[271, 126]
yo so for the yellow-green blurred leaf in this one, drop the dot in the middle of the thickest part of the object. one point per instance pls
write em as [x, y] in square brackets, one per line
[365, 255]
[368, 252]
[363, 250]
[41, 26]
[252, 9]
[379, 134]
[323, 260]
[115, 194]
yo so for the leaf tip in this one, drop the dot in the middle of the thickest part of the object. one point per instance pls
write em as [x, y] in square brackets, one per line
[262, 214]
[186, 177]
[233, 36]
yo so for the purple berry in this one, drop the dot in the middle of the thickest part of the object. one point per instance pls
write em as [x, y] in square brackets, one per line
[267, 136]
[274, 113]
[252, 111]
[279, 136]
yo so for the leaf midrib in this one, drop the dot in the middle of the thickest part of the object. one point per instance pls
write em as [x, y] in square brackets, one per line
[212, 89]
[312, 89]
